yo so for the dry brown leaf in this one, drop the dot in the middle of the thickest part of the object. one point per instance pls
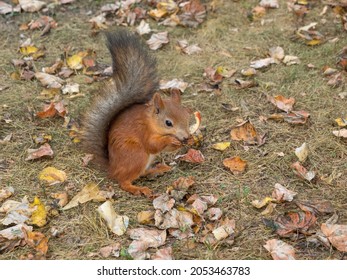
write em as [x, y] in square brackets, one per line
[337, 235]
[31, 5]
[143, 28]
[282, 103]
[116, 223]
[188, 49]
[158, 40]
[245, 132]
[294, 117]
[225, 230]
[294, 222]
[89, 192]
[62, 198]
[175, 83]
[99, 22]
[163, 203]
[16, 212]
[49, 81]
[183, 183]
[235, 164]
[52, 176]
[145, 217]
[6, 193]
[163, 254]
[281, 194]
[37, 240]
[192, 156]
[86, 159]
[341, 133]
[280, 250]
[316, 206]
[302, 171]
[269, 209]
[193, 13]
[277, 53]
[110, 250]
[302, 152]
[44, 151]
[214, 214]
[52, 109]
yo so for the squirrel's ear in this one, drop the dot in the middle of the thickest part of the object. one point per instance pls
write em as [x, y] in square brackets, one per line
[158, 102]
[176, 95]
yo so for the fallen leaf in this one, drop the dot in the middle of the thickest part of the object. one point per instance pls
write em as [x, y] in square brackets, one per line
[75, 62]
[302, 171]
[158, 40]
[199, 206]
[49, 81]
[52, 176]
[260, 204]
[269, 209]
[294, 222]
[192, 156]
[277, 53]
[241, 84]
[281, 194]
[214, 214]
[62, 198]
[143, 28]
[16, 212]
[341, 122]
[145, 217]
[5, 8]
[262, 63]
[340, 133]
[294, 117]
[282, 103]
[12, 237]
[163, 203]
[194, 127]
[99, 22]
[144, 239]
[302, 152]
[188, 49]
[291, 60]
[86, 159]
[44, 151]
[52, 109]
[183, 183]
[244, 131]
[257, 13]
[225, 230]
[28, 50]
[173, 219]
[175, 83]
[163, 254]
[221, 146]
[6, 193]
[337, 235]
[70, 88]
[39, 214]
[213, 76]
[179, 234]
[31, 5]
[116, 223]
[248, 72]
[280, 250]
[37, 240]
[90, 192]
[235, 164]
[193, 13]
[316, 206]
[110, 250]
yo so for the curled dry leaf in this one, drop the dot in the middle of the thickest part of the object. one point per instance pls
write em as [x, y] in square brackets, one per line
[16, 212]
[90, 192]
[214, 214]
[291, 60]
[99, 22]
[302, 171]
[158, 40]
[199, 206]
[145, 217]
[116, 223]
[193, 13]
[175, 83]
[248, 72]
[192, 156]
[341, 133]
[282, 103]
[39, 214]
[294, 117]
[221, 146]
[110, 250]
[280, 250]
[163, 254]
[173, 219]
[52, 176]
[337, 235]
[163, 203]
[302, 152]
[277, 53]
[194, 127]
[188, 49]
[225, 230]
[86, 159]
[245, 132]
[235, 164]
[52, 109]
[49, 81]
[316, 206]
[294, 222]
[262, 63]
[281, 194]
[37, 240]
[260, 204]
[44, 151]
[269, 209]
[6, 193]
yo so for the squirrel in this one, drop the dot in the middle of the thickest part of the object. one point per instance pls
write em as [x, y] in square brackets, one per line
[128, 122]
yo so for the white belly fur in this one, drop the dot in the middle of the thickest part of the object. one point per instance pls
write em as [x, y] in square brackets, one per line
[150, 161]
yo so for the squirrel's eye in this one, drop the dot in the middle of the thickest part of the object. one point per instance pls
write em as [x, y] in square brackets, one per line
[168, 123]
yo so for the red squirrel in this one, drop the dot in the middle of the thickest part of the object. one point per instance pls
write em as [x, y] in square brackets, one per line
[128, 122]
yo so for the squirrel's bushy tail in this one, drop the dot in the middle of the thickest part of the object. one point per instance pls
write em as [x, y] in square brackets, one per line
[134, 81]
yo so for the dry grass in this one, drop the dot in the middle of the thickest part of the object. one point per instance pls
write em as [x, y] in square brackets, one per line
[84, 232]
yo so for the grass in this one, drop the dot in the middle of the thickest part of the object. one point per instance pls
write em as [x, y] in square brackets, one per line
[226, 30]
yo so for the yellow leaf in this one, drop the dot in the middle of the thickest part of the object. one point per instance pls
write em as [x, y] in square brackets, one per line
[89, 192]
[341, 122]
[28, 50]
[38, 217]
[75, 61]
[314, 42]
[260, 204]
[221, 146]
[52, 176]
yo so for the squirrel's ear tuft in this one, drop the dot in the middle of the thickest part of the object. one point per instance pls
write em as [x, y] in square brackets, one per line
[158, 102]
[176, 95]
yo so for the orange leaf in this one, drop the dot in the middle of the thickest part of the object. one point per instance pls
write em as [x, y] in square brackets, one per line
[235, 164]
[246, 132]
[193, 156]
[37, 240]
[285, 104]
